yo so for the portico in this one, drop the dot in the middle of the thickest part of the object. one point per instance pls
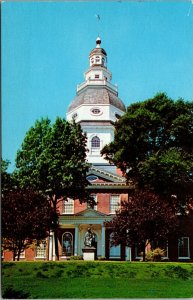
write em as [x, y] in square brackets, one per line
[76, 226]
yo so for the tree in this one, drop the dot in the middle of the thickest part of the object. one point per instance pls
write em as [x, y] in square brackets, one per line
[53, 159]
[143, 219]
[26, 216]
[7, 180]
[153, 146]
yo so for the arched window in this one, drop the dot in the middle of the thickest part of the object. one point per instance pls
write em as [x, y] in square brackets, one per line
[95, 142]
[67, 244]
[114, 251]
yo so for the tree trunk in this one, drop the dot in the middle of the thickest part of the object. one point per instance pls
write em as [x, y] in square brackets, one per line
[14, 254]
[18, 253]
[54, 201]
[55, 227]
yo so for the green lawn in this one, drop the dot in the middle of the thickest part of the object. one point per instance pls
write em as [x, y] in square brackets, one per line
[79, 279]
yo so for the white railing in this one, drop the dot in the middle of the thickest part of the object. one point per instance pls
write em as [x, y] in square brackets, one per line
[97, 82]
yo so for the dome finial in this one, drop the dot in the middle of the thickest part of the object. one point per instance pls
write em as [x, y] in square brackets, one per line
[98, 42]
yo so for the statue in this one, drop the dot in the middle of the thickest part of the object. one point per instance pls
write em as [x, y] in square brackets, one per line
[89, 238]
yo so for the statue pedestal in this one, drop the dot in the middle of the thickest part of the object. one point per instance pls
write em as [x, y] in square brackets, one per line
[89, 253]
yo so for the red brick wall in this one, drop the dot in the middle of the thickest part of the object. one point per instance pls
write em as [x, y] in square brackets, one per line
[78, 207]
[103, 201]
[29, 255]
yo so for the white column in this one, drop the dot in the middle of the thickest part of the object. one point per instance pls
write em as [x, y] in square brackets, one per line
[50, 246]
[128, 253]
[53, 252]
[103, 241]
[76, 241]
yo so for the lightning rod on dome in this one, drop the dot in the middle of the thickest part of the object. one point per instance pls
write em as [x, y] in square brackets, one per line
[98, 19]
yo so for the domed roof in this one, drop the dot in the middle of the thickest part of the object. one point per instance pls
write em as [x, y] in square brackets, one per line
[96, 96]
[98, 51]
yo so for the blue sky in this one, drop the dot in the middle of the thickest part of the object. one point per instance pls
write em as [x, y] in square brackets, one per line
[45, 48]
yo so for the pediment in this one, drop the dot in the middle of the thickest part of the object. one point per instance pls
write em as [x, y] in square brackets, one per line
[104, 175]
[89, 212]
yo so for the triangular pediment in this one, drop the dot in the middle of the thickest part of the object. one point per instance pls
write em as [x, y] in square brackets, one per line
[104, 175]
[89, 212]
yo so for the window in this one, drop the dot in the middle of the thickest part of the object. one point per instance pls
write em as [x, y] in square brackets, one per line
[74, 116]
[68, 206]
[95, 111]
[95, 142]
[117, 116]
[67, 244]
[138, 251]
[103, 61]
[114, 203]
[114, 251]
[92, 177]
[95, 199]
[41, 250]
[96, 76]
[97, 59]
[183, 247]
[22, 254]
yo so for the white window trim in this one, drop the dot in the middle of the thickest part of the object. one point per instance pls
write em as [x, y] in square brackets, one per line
[63, 207]
[114, 212]
[95, 206]
[41, 256]
[22, 255]
[184, 257]
[118, 247]
[63, 256]
[166, 250]
[136, 252]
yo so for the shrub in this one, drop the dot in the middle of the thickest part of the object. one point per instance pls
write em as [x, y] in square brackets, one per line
[155, 255]
[76, 257]
[101, 258]
[177, 272]
[41, 275]
[10, 293]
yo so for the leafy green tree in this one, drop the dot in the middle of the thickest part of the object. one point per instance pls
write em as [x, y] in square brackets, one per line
[53, 159]
[153, 146]
[7, 179]
[143, 219]
[26, 216]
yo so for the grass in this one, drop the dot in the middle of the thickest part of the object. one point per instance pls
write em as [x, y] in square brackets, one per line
[79, 279]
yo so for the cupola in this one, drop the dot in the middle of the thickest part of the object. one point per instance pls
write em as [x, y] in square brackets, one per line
[98, 56]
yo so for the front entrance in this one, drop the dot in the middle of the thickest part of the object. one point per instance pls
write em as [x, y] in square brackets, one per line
[71, 240]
